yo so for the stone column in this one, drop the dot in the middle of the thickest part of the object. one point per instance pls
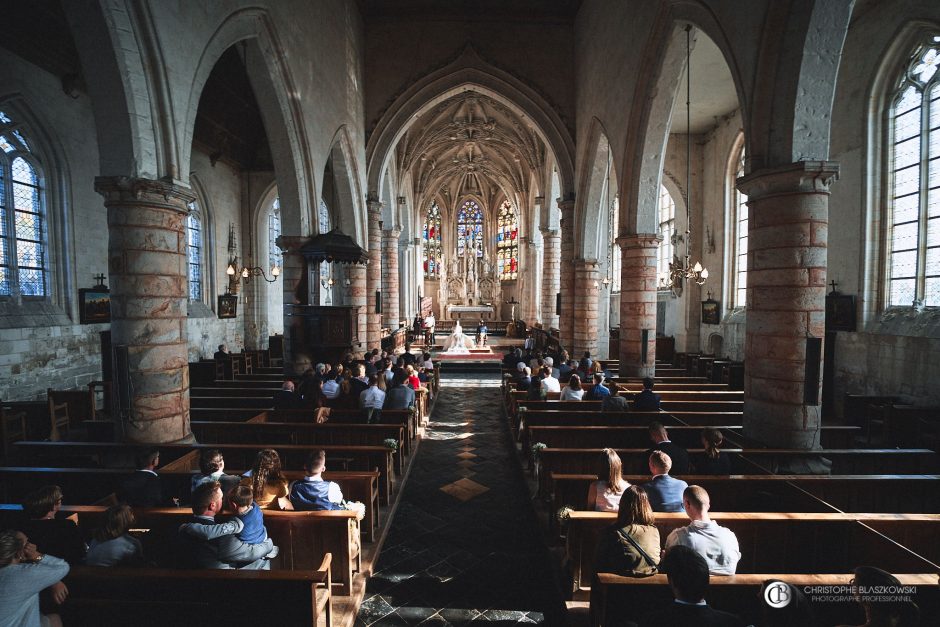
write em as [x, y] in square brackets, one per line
[147, 268]
[390, 304]
[786, 300]
[550, 266]
[566, 276]
[356, 298]
[585, 319]
[373, 335]
[408, 292]
[297, 291]
[638, 303]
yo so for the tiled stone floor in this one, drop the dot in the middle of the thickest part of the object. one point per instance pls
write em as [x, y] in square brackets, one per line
[464, 545]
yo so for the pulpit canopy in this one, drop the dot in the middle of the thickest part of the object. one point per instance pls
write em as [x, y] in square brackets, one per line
[334, 247]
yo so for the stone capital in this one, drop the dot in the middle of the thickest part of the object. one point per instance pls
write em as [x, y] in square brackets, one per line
[639, 240]
[547, 232]
[126, 190]
[393, 232]
[566, 205]
[802, 177]
[587, 264]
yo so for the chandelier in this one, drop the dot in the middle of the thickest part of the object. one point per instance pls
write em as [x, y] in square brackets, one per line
[682, 269]
[250, 271]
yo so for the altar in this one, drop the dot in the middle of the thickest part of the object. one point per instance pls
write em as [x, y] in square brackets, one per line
[456, 312]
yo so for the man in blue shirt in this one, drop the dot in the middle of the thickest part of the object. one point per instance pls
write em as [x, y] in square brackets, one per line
[312, 493]
[599, 391]
[664, 492]
[646, 400]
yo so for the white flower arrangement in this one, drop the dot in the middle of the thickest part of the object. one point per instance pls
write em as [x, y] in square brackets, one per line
[390, 443]
[564, 514]
[537, 449]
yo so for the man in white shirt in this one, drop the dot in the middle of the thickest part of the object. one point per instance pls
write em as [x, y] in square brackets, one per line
[549, 383]
[331, 388]
[717, 544]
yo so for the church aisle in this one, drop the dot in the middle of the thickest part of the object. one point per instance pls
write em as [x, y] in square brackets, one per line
[464, 544]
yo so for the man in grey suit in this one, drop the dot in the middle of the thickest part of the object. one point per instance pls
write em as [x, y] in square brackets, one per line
[664, 492]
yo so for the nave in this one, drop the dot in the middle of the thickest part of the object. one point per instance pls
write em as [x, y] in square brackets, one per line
[464, 544]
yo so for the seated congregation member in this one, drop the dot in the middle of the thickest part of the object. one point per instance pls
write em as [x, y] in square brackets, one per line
[586, 362]
[371, 400]
[524, 382]
[688, 577]
[549, 363]
[359, 383]
[665, 492]
[251, 517]
[534, 393]
[646, 400]
[426, 363]
[573, 390]
[222, 353]
[566, 369]
[143, 489]
[56, 536]
[408, 357]
[598, 391]
[286, 397]
[716, 544]
[712, 461]
[549, 383]
[206, 543]
[111, 545]
[614, 402]
[630, 547]
[879, 610]
[413, 380]
[24, 573]
[313, 493]
[400, 396]
[266, 480]
[212, 468]
[604, 495]
[330, 387]
[513, 357]
[661, 442]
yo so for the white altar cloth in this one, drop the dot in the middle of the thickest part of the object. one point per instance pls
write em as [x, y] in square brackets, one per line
[478, 311]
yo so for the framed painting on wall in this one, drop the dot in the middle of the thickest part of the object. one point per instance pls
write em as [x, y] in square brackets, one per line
[228, 305]
[94, 305]
[710, 312]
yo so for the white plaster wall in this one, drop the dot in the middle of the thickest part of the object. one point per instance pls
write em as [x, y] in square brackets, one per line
[898, 353]
[47, 347]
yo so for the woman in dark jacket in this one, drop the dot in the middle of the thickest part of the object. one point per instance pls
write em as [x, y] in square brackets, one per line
[630, 547]
[712, 461]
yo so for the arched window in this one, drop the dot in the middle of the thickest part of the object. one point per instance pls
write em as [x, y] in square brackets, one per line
[913, 165]
[194, 250]
[738, 224]
[507, 243]
[667, 228]
[23, 254]
[616, 255]
[275, 256]
[470, 229]
[432, 242]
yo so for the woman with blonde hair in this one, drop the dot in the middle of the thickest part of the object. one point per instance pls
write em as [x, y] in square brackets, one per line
[604, 495]
[267, 482]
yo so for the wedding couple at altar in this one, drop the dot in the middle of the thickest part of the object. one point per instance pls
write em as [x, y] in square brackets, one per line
[457, 342]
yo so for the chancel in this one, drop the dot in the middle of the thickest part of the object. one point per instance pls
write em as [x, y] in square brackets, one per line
[565, 312]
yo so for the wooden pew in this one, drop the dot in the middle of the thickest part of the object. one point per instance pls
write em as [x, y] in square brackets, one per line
[630, 436]
[619, 599]
[750, 461]
[224, 414]
[147, 597]
[313, 434]
[665, 406]
[820, 543]
[238, 402]
[919, 494]
[404, 418]
[186, 456]
[234, 392]
[91, 486]
[303, 537]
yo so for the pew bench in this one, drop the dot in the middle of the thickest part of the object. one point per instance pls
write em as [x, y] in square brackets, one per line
[159, 596]
[804, 543]
[619, 599]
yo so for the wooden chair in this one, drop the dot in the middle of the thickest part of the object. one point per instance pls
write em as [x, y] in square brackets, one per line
[104, 387]
[12, 429]
[59, 417]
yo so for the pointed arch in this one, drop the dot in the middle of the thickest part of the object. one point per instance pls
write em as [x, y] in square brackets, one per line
[349, 212]
[598, 186]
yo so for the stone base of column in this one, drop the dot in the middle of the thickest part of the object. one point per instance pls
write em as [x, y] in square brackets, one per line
[638, 304]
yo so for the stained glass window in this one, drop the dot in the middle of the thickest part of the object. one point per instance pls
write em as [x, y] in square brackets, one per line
[913, 241]
[667, 228]
[325, 224]
[470, 229]
[275, 257]
[507, 243]
[194, 251]
[23, 255]
[432, 242]
[739, 263]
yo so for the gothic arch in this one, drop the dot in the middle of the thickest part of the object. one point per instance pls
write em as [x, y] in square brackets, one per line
[593, 177]
[349, 212]
[273, 86]
[469, 71]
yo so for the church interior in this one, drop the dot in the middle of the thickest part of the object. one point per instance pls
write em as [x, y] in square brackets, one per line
[501, 214]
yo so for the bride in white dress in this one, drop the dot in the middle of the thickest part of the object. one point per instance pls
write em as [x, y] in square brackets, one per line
[457, 342]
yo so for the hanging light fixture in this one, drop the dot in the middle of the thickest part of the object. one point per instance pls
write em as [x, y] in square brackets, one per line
[680, 270]
[248, 271]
